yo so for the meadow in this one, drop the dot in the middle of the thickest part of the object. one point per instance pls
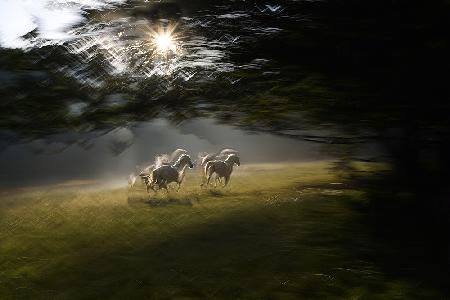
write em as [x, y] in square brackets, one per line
[279, 231]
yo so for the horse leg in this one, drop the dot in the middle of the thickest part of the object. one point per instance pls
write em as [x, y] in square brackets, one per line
[150, 186]
[209, 178]
[218, 180]
[204, 178]
[227, 179]
[204, 174]
[164, 186]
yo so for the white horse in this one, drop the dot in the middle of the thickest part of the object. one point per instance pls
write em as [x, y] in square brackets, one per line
[160, 160]
[167, 173]
[205, 157]
[223, 169]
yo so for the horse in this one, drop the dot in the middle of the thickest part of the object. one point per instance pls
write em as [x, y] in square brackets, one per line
[167, 173]
[223, 169]
[205, 157]
[160, 160]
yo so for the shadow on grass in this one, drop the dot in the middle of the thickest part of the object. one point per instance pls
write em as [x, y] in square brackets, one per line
[414, 233]
[166, 200]
[216, 193]
[314, 249]
[169, 201]
[172, 198]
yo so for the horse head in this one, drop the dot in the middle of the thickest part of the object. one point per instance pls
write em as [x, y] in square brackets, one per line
[234, 159]
[184, 160]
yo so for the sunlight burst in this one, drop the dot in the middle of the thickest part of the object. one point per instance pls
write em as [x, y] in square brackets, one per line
[164, 41]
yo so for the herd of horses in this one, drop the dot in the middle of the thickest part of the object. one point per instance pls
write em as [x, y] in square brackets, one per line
[171, 168]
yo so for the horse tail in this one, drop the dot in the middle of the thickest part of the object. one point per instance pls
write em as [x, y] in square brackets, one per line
[153, 177]
[208, 168]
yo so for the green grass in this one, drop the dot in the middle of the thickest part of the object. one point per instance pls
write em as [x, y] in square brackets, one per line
[278, 232]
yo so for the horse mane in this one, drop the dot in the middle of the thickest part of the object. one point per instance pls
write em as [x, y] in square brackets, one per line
[230, 156]
[178, 162]
[223, 149]
[177, 153]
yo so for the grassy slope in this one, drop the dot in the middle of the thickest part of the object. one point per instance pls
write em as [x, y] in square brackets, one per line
[279, 232]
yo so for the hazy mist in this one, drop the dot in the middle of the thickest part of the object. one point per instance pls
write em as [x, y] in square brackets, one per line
[113, 155]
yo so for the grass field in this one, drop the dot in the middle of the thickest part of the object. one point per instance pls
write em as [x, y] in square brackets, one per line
[278, 232]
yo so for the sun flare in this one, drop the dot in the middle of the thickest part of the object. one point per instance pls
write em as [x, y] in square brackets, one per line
[164, 41]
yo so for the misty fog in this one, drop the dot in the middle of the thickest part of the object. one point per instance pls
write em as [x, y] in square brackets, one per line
[115, 154]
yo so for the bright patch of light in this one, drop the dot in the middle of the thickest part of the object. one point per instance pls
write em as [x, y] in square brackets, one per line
[51, 19]
[164, 41]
